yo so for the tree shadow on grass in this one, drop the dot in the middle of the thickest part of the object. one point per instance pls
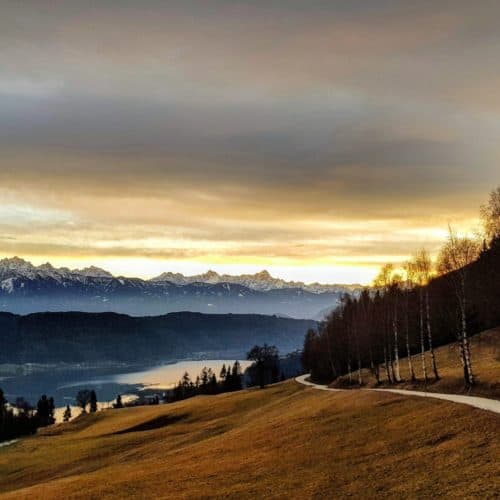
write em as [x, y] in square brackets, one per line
[155, 423]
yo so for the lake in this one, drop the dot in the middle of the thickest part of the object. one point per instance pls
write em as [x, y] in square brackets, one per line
[63, 382]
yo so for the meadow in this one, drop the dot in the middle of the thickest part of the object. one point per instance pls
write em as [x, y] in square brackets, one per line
[284, 441]
[485, 348]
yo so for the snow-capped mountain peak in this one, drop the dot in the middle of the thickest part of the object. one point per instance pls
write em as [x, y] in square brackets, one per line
[16, 267]
[261, 281]
[93, 272]
[16, 264]
[263, 275]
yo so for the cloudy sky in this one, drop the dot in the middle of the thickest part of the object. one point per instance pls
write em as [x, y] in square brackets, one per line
[316, 139]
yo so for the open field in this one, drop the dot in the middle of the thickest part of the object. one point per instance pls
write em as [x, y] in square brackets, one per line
[485, 348]
[284, 441]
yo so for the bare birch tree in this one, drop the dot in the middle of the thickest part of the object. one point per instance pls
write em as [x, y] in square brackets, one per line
[490, 215]
[424, 270]
[410, 273]
[345, 300]
[395, 289]
[420, 282]
[455, 258]
[385, 281]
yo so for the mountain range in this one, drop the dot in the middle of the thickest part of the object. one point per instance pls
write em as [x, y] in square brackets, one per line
[25, 288]
[261, 281]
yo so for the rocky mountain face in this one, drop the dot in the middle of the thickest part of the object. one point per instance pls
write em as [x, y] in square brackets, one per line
[25, 288]
[262, 281]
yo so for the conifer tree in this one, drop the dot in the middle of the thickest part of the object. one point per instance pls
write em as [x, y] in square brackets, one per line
[83, 399]
[93, 401]
[67, 414]
[236, 377]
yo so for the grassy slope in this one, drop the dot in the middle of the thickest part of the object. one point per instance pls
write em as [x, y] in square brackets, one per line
[284, 441]
[485, 348]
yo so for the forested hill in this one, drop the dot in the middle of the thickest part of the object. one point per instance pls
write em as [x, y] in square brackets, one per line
[83, 337]
[411, 317]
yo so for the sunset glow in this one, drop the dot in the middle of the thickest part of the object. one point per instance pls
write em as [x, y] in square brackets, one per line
[317, 143]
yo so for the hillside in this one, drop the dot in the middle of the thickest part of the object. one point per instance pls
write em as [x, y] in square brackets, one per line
[78, 337]
[485, 348]
[286, 440]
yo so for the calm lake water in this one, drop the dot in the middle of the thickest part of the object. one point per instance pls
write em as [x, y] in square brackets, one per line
[62, 383]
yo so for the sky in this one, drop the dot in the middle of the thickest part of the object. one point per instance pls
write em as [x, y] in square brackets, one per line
[314, 139]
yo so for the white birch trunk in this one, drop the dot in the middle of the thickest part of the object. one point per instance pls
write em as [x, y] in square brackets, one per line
[429, 335]
[386, 362]
[410, 362]
[408, 351]
[397, 374]
[462, 356]
[422, 342]
[465, 343]
[391, 363]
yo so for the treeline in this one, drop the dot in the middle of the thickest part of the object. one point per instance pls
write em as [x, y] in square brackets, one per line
[412, 310]
[230, 379]
[264, 370]
[22, 419]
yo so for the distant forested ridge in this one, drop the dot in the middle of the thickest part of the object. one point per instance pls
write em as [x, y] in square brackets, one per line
[95, 337]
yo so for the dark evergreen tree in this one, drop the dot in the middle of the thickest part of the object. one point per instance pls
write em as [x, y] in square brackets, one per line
[93, 401]
[212, 385]
[83, 399]
[236, 377]
[67, 414]
[21, 423]
[45, 411]
[204, 377]
[52, 409]
[118, 403]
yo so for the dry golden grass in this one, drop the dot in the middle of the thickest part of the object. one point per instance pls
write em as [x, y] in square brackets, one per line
[286, 441]
[485, 348]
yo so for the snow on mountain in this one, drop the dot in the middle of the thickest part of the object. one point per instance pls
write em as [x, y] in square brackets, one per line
[177, 278]
[25, 288]
[262, 281]
[7, 285]
[17, 266]
[93, 272]
[15, 269]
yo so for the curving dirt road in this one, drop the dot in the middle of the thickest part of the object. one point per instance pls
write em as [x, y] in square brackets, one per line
[481, 403]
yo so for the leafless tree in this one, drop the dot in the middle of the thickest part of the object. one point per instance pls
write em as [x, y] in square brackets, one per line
[455, 258]
[420, 282]
[387, 281]
[424, 273]
[410, 272]
[490, 215]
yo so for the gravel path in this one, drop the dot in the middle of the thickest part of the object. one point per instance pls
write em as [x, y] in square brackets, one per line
[481, 403]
